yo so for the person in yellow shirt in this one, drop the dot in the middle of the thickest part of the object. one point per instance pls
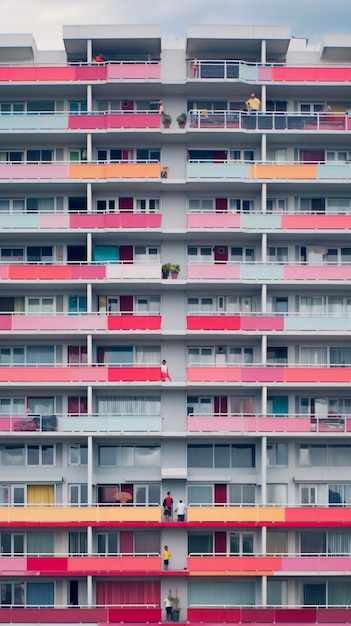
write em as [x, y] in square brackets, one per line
[166, 557]
[253, 104]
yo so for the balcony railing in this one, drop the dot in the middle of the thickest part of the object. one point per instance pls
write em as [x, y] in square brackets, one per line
[265, 170]
[71, 423]
[92, 120]
[262, 121]
[268, 272]
[94, 170]
[80, 322]
[81, 71]
[259, 423]
[80, 271]
[260, 564]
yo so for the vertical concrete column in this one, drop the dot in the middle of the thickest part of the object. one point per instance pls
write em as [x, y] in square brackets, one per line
[89, 197]
[264, 350]
[89, 349]
[89, 50]
[89, 299]
[89, 248]
[263, 51]
[89, 148]
[264, 196]
[264, 588]
[90, 399]
[264, 299]
[264, 247]
[263, 98]
[264, 401]
[264, 471]
[89, 591]
[90, 479]
[264, 148]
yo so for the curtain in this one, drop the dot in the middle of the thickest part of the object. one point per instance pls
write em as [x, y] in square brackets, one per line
[339, 593]
[200, 494]
[77, 542]
[147, 355]
[121, 405]
[40, 355]
[241, 494]
[313, 356]
[221, 593]
[277, 593]
[40, 595]
[314, 594]
[313, 542]
[339, 544]
[200, 543]
[40, 494]
[136, 592]
[277, 542]
[277, 494]
[40, 543]
[147, 542]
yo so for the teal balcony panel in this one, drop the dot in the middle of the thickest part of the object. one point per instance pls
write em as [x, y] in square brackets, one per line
[338, 171]
[110, 424]
[262, 272]
[261, 221]
[19, 220]
[218, 170]
[34, 122]
[316, 323]
[248, 72]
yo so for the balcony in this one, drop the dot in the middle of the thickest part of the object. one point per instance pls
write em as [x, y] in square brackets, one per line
[289, 616]
[263, 515]
[91, 322]
[42, 120]
[268, 272]
[78, 72]
[267, 221]
[260, 171]
[266, 565]
[263, 121]
[61, 170]
[96, 373]
[65, 515]
[268, 374]
[230, 69]
[268, 423]
[262, 322]
[81, 271]
[97, 565]
[84, 423]
[83, 221]
[102, 615]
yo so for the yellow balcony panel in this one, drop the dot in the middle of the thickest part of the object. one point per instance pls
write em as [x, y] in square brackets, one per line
[235, 514]
[114, 170]
[63, 515]
[271, 172]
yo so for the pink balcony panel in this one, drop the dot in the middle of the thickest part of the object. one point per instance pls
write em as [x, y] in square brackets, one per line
[249, 424]
[262, 323]
[53, 616]
[134, 374]
[109, 564]
[214, 220]
[316, 222]
[316, 564]
[53, 374]
[214, 271]
[16, 566]
[213, 322]
[214, 374]
[6, 321]
[87, 272]
[134, 71]
[39, 272]
[35, 73]
[317, 374]
[59, 322]
[53, 220]
[253, 564]
[130, 271]
[6, 424]
[311, 74]
[264, 73]
[320, 516]
[90, 72]
[114, 120]
[4, 272]
[134, 322]
[47, 171]
[135, 220]
[262, 374]
[317, 272]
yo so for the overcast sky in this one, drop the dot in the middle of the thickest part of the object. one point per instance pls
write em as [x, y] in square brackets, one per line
[45, 18]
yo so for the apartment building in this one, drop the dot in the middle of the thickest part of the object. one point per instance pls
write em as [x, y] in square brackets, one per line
[218, 243]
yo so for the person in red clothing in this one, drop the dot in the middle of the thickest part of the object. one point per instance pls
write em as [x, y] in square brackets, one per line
[99, 58]
[164, 371]
[167, 506]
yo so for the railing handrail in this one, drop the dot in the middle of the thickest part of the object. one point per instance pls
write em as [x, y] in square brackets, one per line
[263, 314]
[82, 162]
[288, 415]
[219, 214]
[91, 63]
[314, 114]
[7, 114]
[266, 64]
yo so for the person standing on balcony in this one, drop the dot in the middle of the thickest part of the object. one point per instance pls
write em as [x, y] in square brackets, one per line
[167, 506]
[161, 108]
[166, 558]
[253, 104]
[196, 67]
[164, 371]
[180, 510]
[169, 608]
[99, 58]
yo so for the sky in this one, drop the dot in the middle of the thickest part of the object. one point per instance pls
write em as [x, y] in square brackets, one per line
[44, 18]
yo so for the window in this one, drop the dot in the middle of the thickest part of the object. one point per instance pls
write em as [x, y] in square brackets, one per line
[39, 254]
[241, 543]
[11, 255]
[200, 356]
[200, 543]
[40, 205]
[78, 454]
[221, 455]
[40, 543]
[280, 305]
[200, 494]
[107, 543]
[12, 406]
[148, 304]
[240, 205]
[278, 254]
[221, 593]
[78, 494]
[277, 455]
[199, 406]
[147, 494]
[39, 156]
[13, 205]
[242, 255]
[77, 543]
[241, 155]
[201, 305]
[39, 454]
[147, 542]
[277, 542]
[12, 594]
[129, 406]
[339, 495]
[41, 305]
[277, 593]
[277, 355]
[277, 494]
[200, 254]
[145, 254]
[333, 455]
[201, 205]
[12, 108]
[129, 456]
[309, 494]
[12, 494]
[12, 544]
[276, 205]
[147, 205]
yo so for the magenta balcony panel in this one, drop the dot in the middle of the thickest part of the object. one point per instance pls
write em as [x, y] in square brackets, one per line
[39, 272]
[136, 220]
[213, 220]
[134, 322]
[134, 615]
[53, 616]
[213, 322]
[262, 322]
[39, 171]
[6, 321]
[36, 73]
[133, 270]
[316, 222]
[54, 220]
[248, 424]
[134, 374]
[311, 74]
[317, 272]
[214, 271]
[90, 72]
[58, 322]
[87, 272]
[13, 565]
[116, 220]
[316, 564]
[214, 374]
[53, 374]
[262, 374]
[114, 120]
[317, 374]
[45, 565]
[6, 424]
[134, 71]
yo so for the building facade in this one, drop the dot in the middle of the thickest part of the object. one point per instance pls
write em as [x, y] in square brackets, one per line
[215, 250]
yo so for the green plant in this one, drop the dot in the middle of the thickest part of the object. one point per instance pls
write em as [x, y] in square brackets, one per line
[175, 268]
[181, 119]
[166, 119]
[175, 600]
[167, 267]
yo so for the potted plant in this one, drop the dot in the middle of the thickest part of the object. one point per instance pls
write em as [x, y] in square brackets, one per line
[174, 269]
[181, 119]
[167, 120]
[166, 269]
[176, 608]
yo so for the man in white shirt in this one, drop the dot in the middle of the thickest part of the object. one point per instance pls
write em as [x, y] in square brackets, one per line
[180, 510]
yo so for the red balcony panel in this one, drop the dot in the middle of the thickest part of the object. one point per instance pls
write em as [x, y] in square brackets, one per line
[214, 374]
[316, 222]
[53, 616]
[320, 516]
[135, 220]
[35, 73]
[6, 321]
[134, 322]
[262, 374]
[90, 72]
[262, 323]
[47, 564]
[253, 564]
[296, 616]
[87, 272]
[311, 74]
[213, 322]
[53, 374]
[115, 120]
[133, 374]
[87, 220]
[333, 616]
[215, 615]
[39, 272]
[317, 374]
[260, 615]
[138, 615]
[109, 564]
